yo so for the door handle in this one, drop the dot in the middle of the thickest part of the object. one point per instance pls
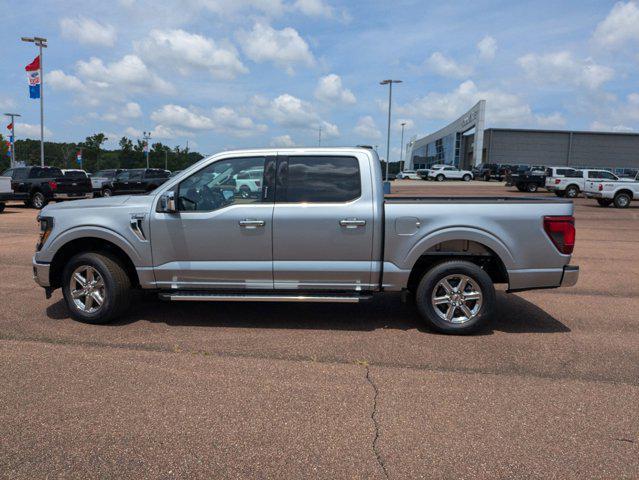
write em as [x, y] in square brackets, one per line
[247, 223]
[352, 223]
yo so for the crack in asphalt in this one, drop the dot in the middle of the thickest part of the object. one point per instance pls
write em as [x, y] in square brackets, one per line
[376, 451]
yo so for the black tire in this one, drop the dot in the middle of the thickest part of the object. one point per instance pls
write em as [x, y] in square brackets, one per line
[107, 192]
[2, 205]
[604, 202]
[531, 187]
[622, 200]
[572, 191]
[429, 285]
[245, 191]
[467, 178]
[117, 292]
[440, 178]
[486, 178]
[38, 200]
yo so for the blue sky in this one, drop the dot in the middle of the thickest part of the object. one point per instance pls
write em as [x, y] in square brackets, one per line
[242, 73]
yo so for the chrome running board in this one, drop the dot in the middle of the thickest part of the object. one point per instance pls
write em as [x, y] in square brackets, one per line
[250, 297]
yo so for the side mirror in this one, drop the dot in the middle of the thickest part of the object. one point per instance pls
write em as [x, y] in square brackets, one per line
[167, 203]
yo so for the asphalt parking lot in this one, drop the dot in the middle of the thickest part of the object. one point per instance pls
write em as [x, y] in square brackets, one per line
[549, 390]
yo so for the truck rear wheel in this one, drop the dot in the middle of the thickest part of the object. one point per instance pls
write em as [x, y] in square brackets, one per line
[622, 200]
[455, 297]
[38, 200]
[96, 288]
[531, 187]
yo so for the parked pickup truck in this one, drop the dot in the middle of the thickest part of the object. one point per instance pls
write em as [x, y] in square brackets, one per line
[102, 179]
[574, 181]
[319, 231]
[5, 191]
[37, 186]
[137, 180]
[609, 192]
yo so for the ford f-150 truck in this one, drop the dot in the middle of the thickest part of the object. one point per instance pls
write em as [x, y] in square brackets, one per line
[37, 186]
[320, 230]
[608, 192]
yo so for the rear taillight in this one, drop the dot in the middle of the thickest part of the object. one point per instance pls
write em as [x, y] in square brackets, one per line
[53, 185]
[600, 187]
[561, 230]
[557, 181]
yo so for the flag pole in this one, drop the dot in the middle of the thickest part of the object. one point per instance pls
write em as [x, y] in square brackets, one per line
[13, 137]
[41, 43]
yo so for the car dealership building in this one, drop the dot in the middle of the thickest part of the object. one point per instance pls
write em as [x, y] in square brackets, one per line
[457, 144]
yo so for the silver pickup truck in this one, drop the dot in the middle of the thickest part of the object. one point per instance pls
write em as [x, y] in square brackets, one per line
[318, 229]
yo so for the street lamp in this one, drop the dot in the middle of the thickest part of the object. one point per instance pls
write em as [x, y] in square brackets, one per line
[389, 82]
[401, 149]
[40, 43]
[13, 137]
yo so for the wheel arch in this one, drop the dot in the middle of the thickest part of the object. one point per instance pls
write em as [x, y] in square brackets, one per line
[626, 191]
[89, 244]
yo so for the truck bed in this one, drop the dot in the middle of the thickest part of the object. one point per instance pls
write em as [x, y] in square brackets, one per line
[474, 200]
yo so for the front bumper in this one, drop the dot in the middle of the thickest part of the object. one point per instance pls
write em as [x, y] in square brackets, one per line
[41, 273]
[71, 196]
[570, 276]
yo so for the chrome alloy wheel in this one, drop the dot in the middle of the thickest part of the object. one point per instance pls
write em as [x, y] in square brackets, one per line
[457, 298]
[87, 289]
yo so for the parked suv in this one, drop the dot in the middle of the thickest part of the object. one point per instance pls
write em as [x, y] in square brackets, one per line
[37, 186]
[408, 175]
[138, 180]
[448, 172]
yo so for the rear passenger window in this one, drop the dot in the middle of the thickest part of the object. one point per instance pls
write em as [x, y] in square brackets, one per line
[320, 179]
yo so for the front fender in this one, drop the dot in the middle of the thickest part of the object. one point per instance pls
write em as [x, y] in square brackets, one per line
[93, 231]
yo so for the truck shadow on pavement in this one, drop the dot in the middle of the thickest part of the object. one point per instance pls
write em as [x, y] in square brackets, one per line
[513, 315]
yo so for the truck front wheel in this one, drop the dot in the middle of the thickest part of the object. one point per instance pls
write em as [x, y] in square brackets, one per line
[455, 297]
[96, 288]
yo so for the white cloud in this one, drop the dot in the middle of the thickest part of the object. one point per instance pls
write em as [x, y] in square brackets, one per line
[604, 127]
[553, 120]
[282, 141]
[289, 111]
[87, 30]
[619, 27]
[283, 47]
[222, 119]
[447, 67]
[59, 80]
[124, 113]
[27, 130]
[129, 72]
[487, 47]
[228, 8]
[6, 103]
[562, 68]
[133, 132]
[188, 52]
[367, 128]
[502, 108]
[329, 130]
[397, 125]
[173, 115]
[329, 89]
[314, 8]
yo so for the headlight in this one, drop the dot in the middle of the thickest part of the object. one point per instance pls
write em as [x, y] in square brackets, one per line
[46, 225]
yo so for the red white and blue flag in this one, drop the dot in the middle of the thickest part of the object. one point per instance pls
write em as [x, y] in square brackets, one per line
[33, 74]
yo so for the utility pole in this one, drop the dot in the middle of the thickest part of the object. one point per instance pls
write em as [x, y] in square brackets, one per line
[389, 82]
[166, 158]
[401, 150]
[13, 137]
[319, 142]
[146, 137]
[40, 43]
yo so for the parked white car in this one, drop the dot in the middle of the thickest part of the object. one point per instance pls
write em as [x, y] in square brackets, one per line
[608, 192]
[408, 175]
[248, 182]
[575, 182]
[5, 191]
[448, 172]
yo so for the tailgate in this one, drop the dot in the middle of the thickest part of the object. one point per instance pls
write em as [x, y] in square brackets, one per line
[73, 185]
[5, 185]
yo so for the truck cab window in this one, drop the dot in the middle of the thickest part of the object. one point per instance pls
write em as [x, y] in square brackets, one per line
[320, 179]
[222, 183]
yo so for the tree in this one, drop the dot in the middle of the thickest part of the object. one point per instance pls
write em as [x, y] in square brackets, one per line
[93, 144]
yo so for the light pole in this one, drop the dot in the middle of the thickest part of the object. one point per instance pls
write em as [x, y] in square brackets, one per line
[146, 137]
[389, 82]
[401, 149]
[13, 137]
[40, 43]
[319, 140]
